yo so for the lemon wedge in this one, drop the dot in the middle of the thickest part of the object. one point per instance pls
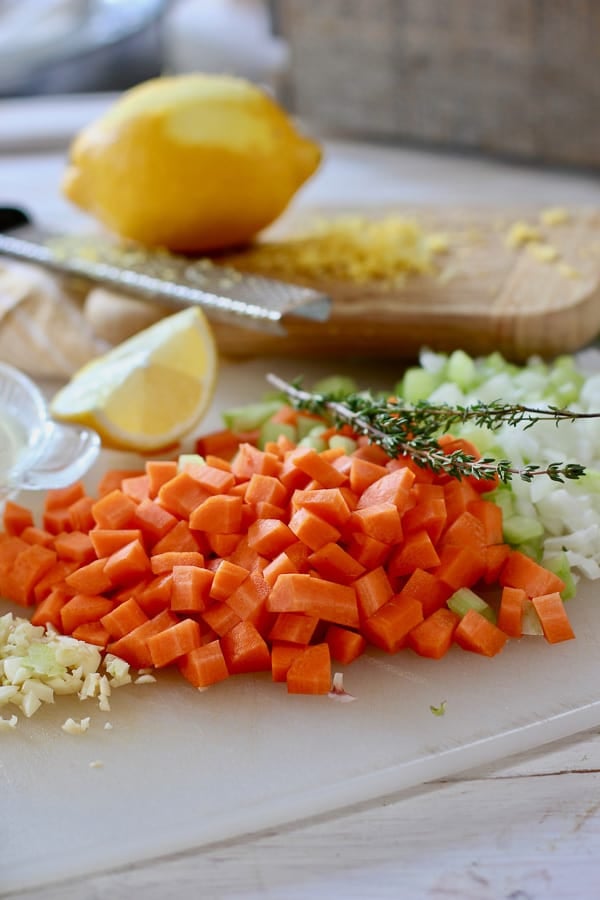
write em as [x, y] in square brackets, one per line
[149, 391]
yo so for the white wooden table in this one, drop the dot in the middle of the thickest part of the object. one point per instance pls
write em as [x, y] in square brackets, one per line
[527, 829]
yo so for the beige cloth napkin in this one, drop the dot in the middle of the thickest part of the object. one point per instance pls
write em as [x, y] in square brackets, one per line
[49, 329]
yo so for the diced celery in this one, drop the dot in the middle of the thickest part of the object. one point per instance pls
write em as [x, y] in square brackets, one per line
[560, 566]
[250, 416]
[504, 498]
[530, 623]
[417, 384]
[304, 425]
[465, 599]
[347, 444]
[340, 385]
[188, 459]
[461, 369]
[522, 529]
[314, 441]
[270, 431]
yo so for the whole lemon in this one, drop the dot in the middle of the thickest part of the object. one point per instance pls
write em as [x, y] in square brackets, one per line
[192, 163]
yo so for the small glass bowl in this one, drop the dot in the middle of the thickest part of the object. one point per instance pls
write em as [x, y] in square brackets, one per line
[35, 452]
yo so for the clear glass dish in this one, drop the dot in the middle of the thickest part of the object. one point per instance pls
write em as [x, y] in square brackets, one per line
[37, 453]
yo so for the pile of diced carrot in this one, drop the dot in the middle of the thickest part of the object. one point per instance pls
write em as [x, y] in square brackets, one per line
[279, 559]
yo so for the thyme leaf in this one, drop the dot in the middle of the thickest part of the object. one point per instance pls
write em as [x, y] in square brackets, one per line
[413, 430]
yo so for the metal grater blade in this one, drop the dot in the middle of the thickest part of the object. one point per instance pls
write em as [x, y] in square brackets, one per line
[224, 293]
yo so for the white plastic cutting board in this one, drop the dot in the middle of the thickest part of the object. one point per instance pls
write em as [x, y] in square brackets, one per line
[182, 768]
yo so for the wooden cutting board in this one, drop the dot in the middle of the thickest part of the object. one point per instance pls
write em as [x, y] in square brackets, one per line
[484, 296]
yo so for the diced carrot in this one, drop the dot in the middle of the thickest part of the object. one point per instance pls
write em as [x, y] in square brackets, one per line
[159, 471]
[179, 538]
[381, 521]
[124, 618]
[460, 566]
[476, 633]
[312, 530]
[54, 577]
[429, 515]
[363, 473]
[269, 537]
[310, 672]
[174, 642]
[282, 656]
[155, 595]
[226, 579]
[57, 520]
[428, 589]
[190, 589]
[280, 565]
[417, 552]
[114, 511]
[160, 563]
[218, 514]
[246, 556]
[262, 510]
[61, 498]
[107, 541]
[153, 520]
[458, 494]
[371, 452]
[333, 562]
[75, 545]
[329, 504]
[90, 578]
[47, 612]
[223, 544]
[137, 487]
[490, 516]
[553, 617]
[223, 443]
[510, 611]
[344, 645]
[28, 567]
[314, 464]
[182, 494]
[217, 462]
[423, 474]
[373, 590]
[465, 529]
[83, 608]
[34, 535]
[128, 564]
[298, 553]
[212, 479]
[133, 648]
[521, 571]
[495, 556]
[434, 635]
[249, 460]
[248, 600]
[367, 551]
[245, 650]
[92, 633]
[391, 488]
[220, 618]
[390, 625]
[80, 514]
[204, 665]
[16, 517]
[293, 628]
[314, 596]
[265, 488]
[112, 479]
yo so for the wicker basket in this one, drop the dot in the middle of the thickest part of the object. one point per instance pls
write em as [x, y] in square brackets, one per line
[510, 77]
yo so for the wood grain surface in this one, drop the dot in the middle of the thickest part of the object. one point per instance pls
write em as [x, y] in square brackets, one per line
[485, 295]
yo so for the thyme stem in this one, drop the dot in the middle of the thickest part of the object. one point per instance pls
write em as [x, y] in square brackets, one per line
[413, 430]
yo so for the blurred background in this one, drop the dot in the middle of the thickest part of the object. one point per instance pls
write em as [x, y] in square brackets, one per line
[512, 78]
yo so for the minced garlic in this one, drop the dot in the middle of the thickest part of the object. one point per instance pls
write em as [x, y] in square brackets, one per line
[543, 252]
[520, 233]
[556, 215]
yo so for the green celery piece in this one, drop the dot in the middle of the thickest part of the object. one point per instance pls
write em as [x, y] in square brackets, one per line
[461, 369]
[520, 530]
[465, 599]
[560, 566]
[339, 385]
[250, 416]
[417, 384]
[270, 431]
[186, 459]
[304, 425]
[347, 444]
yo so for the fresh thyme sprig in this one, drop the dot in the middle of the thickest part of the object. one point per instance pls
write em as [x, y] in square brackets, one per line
[413, 430]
